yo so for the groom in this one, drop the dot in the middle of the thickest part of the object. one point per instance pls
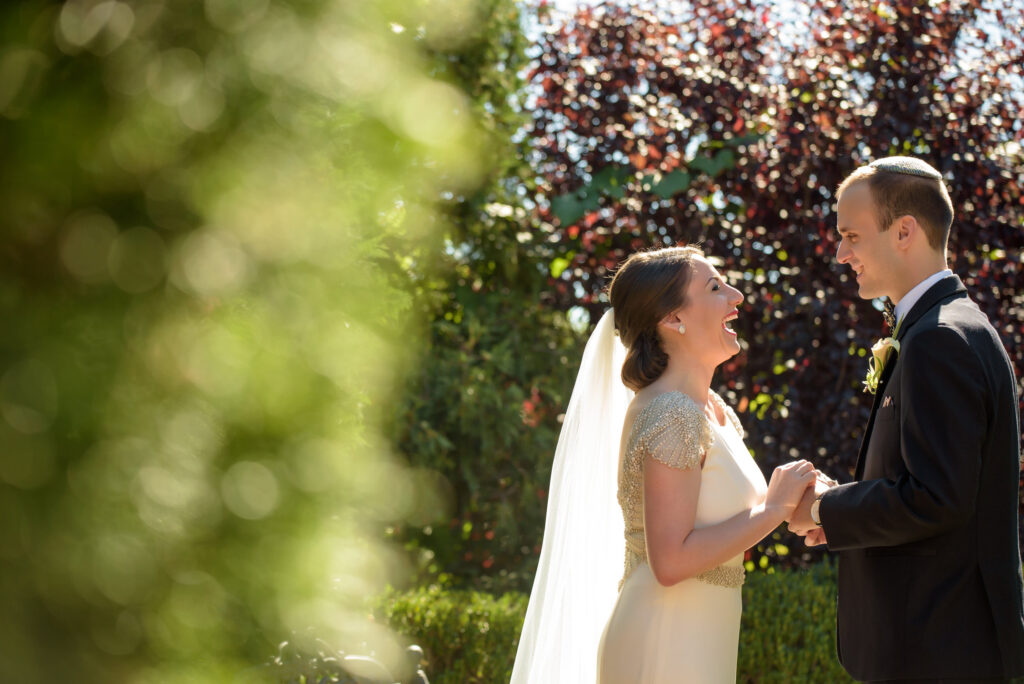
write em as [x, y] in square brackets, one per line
[930, 585]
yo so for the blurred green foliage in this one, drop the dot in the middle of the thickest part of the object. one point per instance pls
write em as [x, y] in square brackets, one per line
[220, 218]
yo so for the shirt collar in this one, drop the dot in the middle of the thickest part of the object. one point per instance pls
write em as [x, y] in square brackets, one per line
[907, 303]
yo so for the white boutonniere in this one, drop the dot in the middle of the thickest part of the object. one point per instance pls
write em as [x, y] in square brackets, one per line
[880, 353]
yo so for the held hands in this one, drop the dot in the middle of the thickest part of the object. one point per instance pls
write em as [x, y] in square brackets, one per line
[788, 484]
[800, 522]
[815, 537]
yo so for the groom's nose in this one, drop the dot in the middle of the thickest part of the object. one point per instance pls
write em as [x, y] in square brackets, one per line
[843, 252]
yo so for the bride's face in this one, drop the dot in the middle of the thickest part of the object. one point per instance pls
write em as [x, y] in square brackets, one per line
[711, 304]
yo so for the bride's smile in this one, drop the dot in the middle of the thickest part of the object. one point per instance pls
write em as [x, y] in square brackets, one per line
[728, 319]
[711, 304]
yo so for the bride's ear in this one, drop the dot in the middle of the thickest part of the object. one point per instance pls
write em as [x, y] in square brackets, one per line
[670, 323]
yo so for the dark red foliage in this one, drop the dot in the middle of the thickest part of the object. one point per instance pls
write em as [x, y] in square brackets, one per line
[767, 118]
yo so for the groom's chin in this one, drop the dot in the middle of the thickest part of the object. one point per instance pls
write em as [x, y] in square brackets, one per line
[867, 292]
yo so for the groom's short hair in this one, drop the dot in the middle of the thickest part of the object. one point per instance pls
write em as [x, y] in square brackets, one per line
[899, 193]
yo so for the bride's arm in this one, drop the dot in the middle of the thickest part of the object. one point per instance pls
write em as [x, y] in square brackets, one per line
[676, 551]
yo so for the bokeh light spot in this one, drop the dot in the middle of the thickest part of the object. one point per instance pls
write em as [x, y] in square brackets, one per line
[28, 397]
[235, 15]
[210, 263]
[121, 638]
[175, 76]
[433, 113]
[122, 568]
[21, 71]
[203, 108]
[26, 461]
[137, 260]
[250, 490]
[86, 244]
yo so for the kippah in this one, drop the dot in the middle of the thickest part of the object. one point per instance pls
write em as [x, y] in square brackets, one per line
[909, 166]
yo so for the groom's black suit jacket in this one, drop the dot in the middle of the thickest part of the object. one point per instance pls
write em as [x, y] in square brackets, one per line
[930, 579]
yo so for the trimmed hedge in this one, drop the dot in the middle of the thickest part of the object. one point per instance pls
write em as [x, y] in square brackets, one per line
[469, 637]
[788, 632]
[788, 628]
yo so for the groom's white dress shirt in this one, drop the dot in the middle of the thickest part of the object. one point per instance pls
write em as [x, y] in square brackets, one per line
[907, 303]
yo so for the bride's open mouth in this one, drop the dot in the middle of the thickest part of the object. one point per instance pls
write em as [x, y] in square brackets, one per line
[728, 319]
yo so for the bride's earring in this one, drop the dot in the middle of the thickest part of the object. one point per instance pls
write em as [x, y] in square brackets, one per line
[682, 329]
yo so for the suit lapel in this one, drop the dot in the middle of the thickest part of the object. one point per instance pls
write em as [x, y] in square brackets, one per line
[882, 382]
[940, 291]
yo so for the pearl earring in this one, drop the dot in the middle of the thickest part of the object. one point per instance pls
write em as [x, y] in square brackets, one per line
[682, 329]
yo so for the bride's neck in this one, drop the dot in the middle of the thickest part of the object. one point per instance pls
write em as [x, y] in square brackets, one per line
[688, 376]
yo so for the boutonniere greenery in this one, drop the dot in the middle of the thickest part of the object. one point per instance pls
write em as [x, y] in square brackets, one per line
[881, 351]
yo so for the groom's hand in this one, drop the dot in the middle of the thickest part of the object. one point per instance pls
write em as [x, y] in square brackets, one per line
[815, 537]
[800, 522]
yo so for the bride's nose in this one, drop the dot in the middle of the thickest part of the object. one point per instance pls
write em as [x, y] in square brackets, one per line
[737, 296]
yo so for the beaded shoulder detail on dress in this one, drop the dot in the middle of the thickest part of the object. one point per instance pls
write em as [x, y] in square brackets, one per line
[671, 428]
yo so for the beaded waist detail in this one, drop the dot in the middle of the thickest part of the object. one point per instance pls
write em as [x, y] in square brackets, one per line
[724, 576]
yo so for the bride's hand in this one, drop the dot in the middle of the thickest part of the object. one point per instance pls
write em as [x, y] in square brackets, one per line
[788, 484]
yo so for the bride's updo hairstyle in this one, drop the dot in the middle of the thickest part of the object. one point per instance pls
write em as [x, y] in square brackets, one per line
[647, 287]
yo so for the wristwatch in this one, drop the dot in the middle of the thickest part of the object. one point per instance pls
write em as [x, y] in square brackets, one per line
[815, 515]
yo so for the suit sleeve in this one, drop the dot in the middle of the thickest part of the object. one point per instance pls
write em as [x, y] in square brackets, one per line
[943, 419]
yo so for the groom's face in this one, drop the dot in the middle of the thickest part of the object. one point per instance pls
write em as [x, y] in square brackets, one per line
[863, 246]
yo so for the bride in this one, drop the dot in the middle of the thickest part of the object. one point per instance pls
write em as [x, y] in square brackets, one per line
[648, 590]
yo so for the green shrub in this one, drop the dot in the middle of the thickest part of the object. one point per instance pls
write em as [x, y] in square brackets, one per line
[788, 632]
[469, 637]
[788, 629]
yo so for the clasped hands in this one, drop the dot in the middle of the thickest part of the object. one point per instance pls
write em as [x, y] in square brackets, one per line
[800, 521]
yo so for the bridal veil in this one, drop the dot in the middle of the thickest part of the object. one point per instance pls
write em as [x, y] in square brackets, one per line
[581, 559]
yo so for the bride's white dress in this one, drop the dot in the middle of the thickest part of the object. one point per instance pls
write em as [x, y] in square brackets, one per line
[689, 632]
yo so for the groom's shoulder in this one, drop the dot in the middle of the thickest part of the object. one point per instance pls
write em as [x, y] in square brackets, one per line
[959, 312]
[956, 319]
[963, 313]
[957, 323]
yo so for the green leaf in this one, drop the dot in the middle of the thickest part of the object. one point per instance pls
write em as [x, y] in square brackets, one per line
[558, 266]
[610, 181]
[725, 159]
[672, 184]
[743, 140]
[568, 209]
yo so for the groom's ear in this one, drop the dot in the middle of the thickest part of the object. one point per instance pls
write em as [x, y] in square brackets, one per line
[905, 230]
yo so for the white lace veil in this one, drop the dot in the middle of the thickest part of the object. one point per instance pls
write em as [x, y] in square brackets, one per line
[581, 560]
